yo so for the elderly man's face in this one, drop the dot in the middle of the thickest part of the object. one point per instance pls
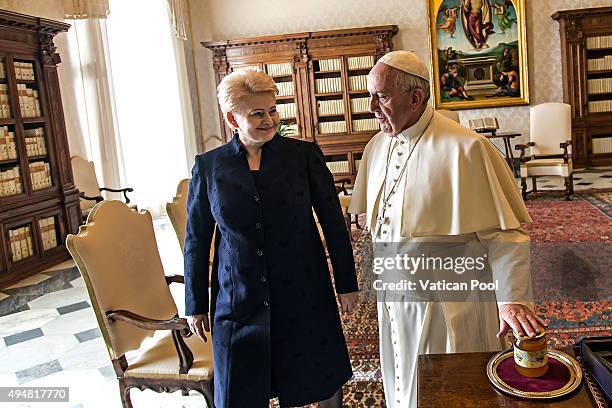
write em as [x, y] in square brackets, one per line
[392, 106]
[258, 118]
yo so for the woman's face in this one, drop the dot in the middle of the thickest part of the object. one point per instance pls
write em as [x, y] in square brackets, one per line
[257, 118]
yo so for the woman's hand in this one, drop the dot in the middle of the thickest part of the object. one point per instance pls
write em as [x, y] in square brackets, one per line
[348, 301]
[198, 324]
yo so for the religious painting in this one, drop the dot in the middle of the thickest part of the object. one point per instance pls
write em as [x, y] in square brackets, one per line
[478, 53]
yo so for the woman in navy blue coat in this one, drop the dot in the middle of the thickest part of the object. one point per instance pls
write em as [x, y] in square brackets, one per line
[276, 327]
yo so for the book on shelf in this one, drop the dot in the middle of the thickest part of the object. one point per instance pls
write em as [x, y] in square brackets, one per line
[363, 62]
[360, 105]
[600, 106]
[280, 69]
[5, 109]
[484, 124]
[599, 86]
[40, 175]
[251, 67]
[339, 166]
[328, 85]
[328, 65]
[29, 104]
[10, 182]
[285, 88]
[602, 145]
[331, 107]
[48, 233]
[286, 110]
[600, 64]
[365, 125]
[24, 71]
[8, 148]
[598, 42]
[332, 127]
[2, 70]
[358, 82]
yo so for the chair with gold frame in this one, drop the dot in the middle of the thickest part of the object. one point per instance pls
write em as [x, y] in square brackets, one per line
[116, 253]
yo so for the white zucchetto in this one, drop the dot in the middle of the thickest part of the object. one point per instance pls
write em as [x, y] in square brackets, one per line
[406, 61]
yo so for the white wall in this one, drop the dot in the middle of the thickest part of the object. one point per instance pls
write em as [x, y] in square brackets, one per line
[230, 19]
[54, 9]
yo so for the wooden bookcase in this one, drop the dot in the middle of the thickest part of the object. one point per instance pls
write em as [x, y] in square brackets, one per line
[39, 204]
[321, 79]
[586, 54]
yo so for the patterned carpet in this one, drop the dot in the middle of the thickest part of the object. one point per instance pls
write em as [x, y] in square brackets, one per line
[572, 285]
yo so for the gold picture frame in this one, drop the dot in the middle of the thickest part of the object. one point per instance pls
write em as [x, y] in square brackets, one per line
[478, 53]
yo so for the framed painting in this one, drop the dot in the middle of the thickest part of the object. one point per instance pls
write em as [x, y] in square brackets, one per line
[478, 53]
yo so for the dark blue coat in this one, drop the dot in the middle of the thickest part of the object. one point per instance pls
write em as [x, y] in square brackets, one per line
[276, 327]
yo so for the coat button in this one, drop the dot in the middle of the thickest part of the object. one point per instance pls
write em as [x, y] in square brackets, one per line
[263, 279]
[258, 225]
[256, 198]
[259, 252]
[266, 303]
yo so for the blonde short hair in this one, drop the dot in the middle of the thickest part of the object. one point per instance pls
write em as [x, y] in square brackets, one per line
[240, 83]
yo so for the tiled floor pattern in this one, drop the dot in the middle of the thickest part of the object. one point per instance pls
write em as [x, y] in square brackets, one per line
[49, 335]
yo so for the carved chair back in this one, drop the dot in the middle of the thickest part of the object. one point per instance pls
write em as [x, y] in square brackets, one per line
[116, 252]
[550, 125]
[177, 211]
[85, 180]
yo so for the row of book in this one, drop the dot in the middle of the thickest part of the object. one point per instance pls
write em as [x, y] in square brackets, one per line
[328, 85]
[285, 88]
[286, 110]
[292, 129]
[602, 41]
[330, 65]
[8, 149]
[599, 86]
[599, 64]
[332, 127]
[364, 125]
[360, 105]
[29, 104]
[358, 83]
[40, 174]
[24, 71]
[2, 70]
[341, 166]
[284, 68]
[251, 67]
[22, 245]
[602, 145]
[5, 108]
[35, 142]
[48, 233]
[600, 106]
[10, 182]
[364, 62]
[357, 163]
[333, 107]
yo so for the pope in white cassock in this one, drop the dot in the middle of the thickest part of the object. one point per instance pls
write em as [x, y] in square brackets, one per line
[425, 178]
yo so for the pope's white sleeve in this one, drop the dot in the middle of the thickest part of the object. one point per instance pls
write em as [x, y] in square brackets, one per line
[509, 255]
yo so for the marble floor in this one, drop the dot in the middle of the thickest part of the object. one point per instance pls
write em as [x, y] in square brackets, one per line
[49, 335]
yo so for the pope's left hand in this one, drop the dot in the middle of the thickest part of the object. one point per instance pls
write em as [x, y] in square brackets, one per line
[348, 301]
[520, 318]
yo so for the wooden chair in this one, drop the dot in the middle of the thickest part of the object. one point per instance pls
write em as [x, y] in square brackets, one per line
[177, 211]
[86, 182]
[551, 134]
[117, 255]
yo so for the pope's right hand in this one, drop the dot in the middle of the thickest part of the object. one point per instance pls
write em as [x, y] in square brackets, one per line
[198, 324]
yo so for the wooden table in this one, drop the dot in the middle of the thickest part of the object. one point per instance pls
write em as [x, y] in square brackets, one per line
[460, 380]
[506, 136]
